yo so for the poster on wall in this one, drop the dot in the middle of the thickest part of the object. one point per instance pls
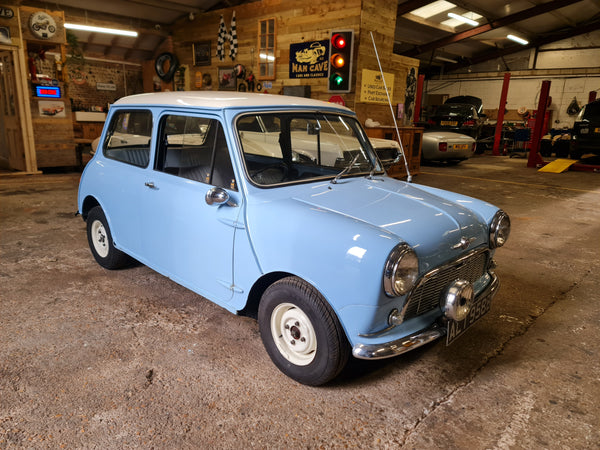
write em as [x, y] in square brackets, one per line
[5, 35]
[227, 79]
[201, 53]
[409, 96]
[52, 109]
[309, 59]
[372, 88]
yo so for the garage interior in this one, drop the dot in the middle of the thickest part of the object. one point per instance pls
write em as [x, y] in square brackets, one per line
[114, 359]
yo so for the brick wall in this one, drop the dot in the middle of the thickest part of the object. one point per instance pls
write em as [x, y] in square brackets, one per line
[84, 79]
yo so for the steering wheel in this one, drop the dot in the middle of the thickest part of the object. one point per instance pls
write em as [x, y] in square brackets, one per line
[263, 175]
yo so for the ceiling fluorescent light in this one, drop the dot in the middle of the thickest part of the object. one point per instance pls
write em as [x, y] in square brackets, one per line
[74, 26]
[463, 19]
[521, 41]
[441, 58]
[433, 9]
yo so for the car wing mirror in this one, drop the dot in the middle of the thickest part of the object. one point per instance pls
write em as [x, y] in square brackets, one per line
[398, 157]
[313, 129]
[219, 196]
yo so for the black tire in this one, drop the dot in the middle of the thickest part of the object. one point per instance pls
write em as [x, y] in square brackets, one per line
[574, 151]
[101, 242]
[159, 66]
[324, 351]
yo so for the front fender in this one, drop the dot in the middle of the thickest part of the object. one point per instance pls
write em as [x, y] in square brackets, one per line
[340, 256]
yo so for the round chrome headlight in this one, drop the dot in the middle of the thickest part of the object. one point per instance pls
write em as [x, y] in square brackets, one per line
[401, 271]
[499, 229]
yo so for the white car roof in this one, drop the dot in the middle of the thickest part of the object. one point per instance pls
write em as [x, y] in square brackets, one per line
[224, 99]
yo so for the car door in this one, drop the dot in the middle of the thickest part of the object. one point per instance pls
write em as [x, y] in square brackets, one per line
[185, 237]
[126, 149]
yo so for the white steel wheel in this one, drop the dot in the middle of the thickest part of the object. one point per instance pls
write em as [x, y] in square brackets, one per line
[293, 334]
[101, 241]
[301, 332]
[99, 238]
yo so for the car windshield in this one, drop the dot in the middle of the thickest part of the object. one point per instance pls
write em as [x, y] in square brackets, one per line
[455, 109]
[281, 148]
[591, 111]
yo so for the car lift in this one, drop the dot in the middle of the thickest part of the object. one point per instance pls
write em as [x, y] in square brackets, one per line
[535, 159]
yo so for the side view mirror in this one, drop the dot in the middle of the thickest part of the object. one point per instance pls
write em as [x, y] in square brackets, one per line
[218, 196]
[398, 158]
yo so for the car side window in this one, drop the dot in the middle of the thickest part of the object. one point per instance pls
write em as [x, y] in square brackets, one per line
[195, 148]
[128, 137]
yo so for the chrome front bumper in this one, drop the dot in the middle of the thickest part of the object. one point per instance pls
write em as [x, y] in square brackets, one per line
[416, 340]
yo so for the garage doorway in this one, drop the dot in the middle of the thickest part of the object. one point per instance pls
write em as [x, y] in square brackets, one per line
[13, 115]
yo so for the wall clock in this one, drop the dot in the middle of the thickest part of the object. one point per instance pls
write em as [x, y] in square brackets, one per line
[42, 25]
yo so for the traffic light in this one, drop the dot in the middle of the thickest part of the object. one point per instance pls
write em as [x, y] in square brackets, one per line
[341, 44]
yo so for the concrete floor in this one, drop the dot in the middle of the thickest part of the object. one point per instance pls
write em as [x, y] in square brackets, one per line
[98, 359]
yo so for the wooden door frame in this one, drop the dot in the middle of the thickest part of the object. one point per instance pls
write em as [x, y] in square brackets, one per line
[23, 107]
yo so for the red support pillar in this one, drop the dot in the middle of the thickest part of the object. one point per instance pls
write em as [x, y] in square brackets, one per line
[535, 158]
[501, 109]
[418, 97]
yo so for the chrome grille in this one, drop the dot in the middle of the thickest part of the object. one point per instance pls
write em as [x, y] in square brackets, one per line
[426, 296]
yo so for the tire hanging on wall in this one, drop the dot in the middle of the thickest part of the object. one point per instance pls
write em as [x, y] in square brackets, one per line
[159, 64]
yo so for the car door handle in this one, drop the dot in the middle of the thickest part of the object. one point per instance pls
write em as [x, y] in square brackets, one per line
[150, 184]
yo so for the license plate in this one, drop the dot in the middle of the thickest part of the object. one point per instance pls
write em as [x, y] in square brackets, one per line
[460, 146]
[479, 309]
[448, 123]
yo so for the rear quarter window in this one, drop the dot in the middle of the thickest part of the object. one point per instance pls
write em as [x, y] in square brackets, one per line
[128, 137]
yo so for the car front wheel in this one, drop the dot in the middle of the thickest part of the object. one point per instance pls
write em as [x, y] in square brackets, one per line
[101, 243]
[301, 333]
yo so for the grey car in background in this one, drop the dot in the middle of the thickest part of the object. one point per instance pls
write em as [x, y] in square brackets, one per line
[447, 146]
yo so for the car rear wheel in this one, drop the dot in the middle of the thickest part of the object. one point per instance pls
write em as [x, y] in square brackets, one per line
[101, 242]
[301, 333]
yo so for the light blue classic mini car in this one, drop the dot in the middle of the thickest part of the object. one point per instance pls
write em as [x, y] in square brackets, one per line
[278, 207]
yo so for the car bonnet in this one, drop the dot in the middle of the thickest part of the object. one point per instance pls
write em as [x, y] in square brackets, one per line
[433, 226]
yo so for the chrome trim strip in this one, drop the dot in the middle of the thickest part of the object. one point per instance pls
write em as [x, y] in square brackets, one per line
[418, 339]
[381, 351]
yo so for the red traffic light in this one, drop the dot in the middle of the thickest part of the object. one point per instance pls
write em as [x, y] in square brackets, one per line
[338, 41]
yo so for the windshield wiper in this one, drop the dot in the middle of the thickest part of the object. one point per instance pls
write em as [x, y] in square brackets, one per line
[372, 172]
[346, 169]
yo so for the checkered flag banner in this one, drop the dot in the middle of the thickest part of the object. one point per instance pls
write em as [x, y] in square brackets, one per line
[233, 41]
[221, 40]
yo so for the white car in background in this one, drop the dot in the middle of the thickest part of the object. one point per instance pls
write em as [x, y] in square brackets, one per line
[447, 146]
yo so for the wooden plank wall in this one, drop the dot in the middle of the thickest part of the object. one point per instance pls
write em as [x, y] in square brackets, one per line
[379, 17]
[296, 21]
[303, 21]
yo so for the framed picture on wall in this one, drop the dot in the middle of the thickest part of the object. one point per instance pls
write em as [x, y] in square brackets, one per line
[227, 79]
[5, 35]
[201, 53]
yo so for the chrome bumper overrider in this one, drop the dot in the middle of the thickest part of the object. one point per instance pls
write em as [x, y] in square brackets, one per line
[405, 344]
